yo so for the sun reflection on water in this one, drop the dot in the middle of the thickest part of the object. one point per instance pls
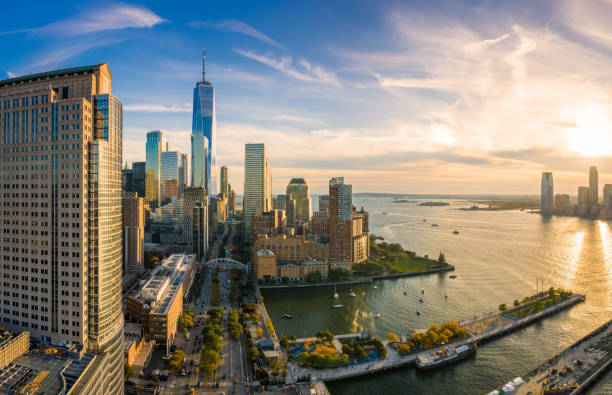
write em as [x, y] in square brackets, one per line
[574, 252]
[606, 246]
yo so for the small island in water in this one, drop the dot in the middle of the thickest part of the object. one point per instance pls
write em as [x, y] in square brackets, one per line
[434, 204]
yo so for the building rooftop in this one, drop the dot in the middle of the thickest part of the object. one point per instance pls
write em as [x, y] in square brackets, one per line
[297, 181]
[54, 73]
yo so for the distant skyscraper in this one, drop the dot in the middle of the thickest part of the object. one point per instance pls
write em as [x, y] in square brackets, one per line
[340, 221]
[127, 179]
[257, 181]
[607, 196]
[584, 196]
[133, 232]
[183, 174]
[547, 196]
[324, 202]
[138, 178]
[169, 172]
[298, 188]
[156, 143]
[224, 180]
[561, 201]
[593, 184]
[280, 203]
[63, 283]
[204, 124]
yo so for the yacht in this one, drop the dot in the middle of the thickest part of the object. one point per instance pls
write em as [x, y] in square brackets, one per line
[445, 356]
[377, 315]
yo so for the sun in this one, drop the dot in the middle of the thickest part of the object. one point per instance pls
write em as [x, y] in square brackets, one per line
[592, 135]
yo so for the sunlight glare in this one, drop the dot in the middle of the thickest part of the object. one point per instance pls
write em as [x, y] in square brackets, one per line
[592, 135]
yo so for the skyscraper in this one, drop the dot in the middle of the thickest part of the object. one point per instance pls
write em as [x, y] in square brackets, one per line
[138, 178]
[183, 174]
[299, 190]
[584, 196]
[127, 179]
[169, 172]
[133, 232]
[607, 197]
[203, 164]
[224, 180]
[156, 144]
[63, 283]
[257, 183]
[340, 227]
[593, 185]
[547, 196]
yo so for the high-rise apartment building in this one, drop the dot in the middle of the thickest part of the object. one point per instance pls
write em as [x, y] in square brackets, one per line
[546, 196]
[584, 196]
[62, 205]
[203, 162]
[231, 201]
[607, 197]
[183, 174]
[169, 172]
[133, 232]
[257, 183]
[299, 190]
[138, 178]
[224, 180]
[340, 215]
[156, 144]
[593, 185]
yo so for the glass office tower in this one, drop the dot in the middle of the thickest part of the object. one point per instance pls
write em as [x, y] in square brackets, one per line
[156, 143]
[204, 124]
[199, 159]
[169, 173]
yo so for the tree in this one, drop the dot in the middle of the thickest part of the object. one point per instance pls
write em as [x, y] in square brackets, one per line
[259, 333]
[503, 307]
[284, 342]
[392, 337]
[516, 303]
[253, 353]
[442, 259]
[404, 349]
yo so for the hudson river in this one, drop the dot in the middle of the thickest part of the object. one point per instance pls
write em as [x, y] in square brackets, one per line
[498, 256]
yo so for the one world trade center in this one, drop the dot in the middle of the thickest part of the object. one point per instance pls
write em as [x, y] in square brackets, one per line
[203, 136]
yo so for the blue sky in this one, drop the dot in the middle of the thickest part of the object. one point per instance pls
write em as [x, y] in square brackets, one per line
[413, 96]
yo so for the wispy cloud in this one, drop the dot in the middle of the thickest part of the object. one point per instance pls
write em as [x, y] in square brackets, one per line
[110, 17]
[236, 26]
[285, 64]
[173, 108]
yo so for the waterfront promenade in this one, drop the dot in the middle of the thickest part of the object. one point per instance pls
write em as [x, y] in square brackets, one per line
[395, 360]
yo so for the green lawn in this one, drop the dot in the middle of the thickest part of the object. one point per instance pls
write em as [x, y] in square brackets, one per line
[407, 264]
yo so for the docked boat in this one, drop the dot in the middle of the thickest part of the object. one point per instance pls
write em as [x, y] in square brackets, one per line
[337, 306]
[288, 316]
[452, 276]
[352, 294]
[377, 315]
[445, 356]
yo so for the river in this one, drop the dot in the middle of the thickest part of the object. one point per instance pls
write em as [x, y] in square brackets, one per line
[498, 255]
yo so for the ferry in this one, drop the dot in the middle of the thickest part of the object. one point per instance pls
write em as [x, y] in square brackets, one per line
[337, 306]
[445, 356]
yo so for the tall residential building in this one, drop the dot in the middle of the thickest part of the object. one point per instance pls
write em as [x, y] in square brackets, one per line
[584, 196]
[133, 232]
[299, 190]
[257, 183]
[156, 144]
[546, 196]
[340, 226]
[224, 180]
[169, 172]
[607, 196]
[138, 178]
[183, 174]
[593, 185]
[62, 267]
[203, 163]
[231, 201]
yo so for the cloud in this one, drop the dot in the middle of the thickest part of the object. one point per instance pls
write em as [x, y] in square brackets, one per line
[236, 26]
[10, 75]
[173, 108]
[309, 72]
[111, 17]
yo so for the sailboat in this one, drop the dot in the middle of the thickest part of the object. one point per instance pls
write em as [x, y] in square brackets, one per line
[335, 293]
[287, 315]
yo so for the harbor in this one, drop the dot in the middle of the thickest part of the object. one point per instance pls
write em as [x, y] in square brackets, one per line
[481, 329]
[573, 371]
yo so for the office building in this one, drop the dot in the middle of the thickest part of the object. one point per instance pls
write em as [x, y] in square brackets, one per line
[156, 144]
[203, 163]
[159, 302]
[133, 232]
[231, 201]
[584, 196]
[546, 196]
[607, 197]
[200, 231]
[63, 283]
[138, 178]
[271, 222]
[127, 181]
[561, 201]
[12, 345]
[323, 202]
[169, 172]
[221, 211]
[257, 183]
[299, 191]
[224, 180]
[319, 225]
[183, 181]
[594, 185]
[280, 203]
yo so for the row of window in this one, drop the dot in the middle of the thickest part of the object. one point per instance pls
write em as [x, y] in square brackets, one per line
[44, 99]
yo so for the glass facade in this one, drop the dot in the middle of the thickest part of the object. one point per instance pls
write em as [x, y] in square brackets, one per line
[199, 159]
[204, 124]
[257, 182]
[169, 171]
[156, 142]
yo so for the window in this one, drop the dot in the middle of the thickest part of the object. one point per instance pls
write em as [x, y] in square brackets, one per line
[44, 99]
[24, 101]
[34, 100]
[15, 103]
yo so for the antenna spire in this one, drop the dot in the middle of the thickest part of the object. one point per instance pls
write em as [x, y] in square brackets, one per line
[204, 66]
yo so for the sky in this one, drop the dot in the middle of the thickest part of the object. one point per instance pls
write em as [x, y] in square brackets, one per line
[404, 97]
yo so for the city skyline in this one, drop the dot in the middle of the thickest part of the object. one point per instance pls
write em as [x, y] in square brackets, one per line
[421, 115]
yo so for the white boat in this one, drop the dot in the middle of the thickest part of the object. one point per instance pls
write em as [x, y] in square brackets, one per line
[445, 356]
[352, 294]
[377, 315]
[337, 306]
[376, 287]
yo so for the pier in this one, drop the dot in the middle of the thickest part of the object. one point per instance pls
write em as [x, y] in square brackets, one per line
[481, 329]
